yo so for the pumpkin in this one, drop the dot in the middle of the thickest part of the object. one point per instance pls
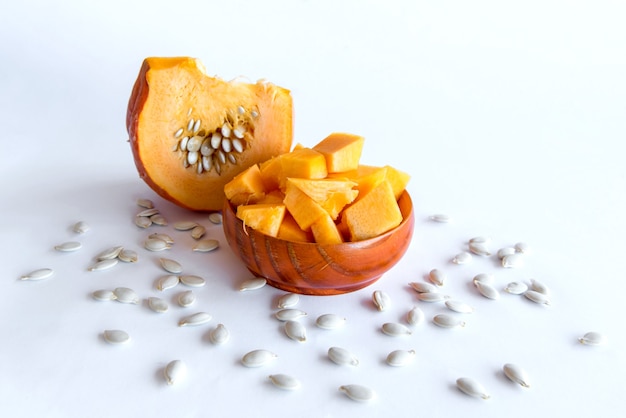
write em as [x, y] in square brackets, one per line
[191, 134]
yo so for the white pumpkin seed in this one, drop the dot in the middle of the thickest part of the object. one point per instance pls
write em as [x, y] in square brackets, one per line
[80, 227]
[480, 240]
[147, 212]
[192, 280]
[38, 274]
[125, 295]
[342, 356]
[143, 222]
[145, 203]
[252, 284]
[471, 387]
[257, 358]
[103, 264]
[440, 217]
[483, 278]
[458, 306]
[537, 297]
[462, 258]
[128, 256]
[158, 305]
[156, 244]
[448, 321]
[358, 393]
[163, 237]
[198, 318]
[395, 329]
[284, 381]
[175, 372]
[398, 358]
[219, 334]
[289, 314]
[159, 219]
[330, 321]
[167, 282]
[480, 249]
[171, 266]
[423, 287]
[68, 246]
[522, 247]
[513, 260]
[185, 225]
[540, 287]
[104, 295]
[295, 330]
[487, 290]
[116, 336]
[206, 245]
[415, 316]
[381, 300]
[110, 253]
[503, 252]
[516, 374]
[288, 300]
[432, 297]
[215, 218]
[593, 338]
[187, 298]
[516, 288]
[198, 232]
[437, 277]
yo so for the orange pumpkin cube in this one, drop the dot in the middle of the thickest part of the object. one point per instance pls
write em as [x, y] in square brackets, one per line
[271, 173]
[245, 187]
[342, 151]
[303, 209]
[332, 194]
[265, 218]
[325, 231]
[303, 163]
[290, 230]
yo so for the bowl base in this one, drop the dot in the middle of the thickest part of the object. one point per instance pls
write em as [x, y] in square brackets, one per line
[317, 291]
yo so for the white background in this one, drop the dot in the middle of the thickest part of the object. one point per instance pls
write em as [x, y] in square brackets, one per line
[509, 117]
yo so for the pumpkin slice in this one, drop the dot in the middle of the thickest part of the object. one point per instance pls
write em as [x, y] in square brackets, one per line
[290, 231]
[325, 231]
[341, 150]
[303, 209]
[246, 187]
[302, 163]
[332, 194]
[190, 133]
[265, 218]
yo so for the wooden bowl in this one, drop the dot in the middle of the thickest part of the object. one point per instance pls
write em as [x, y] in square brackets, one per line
[317, 269]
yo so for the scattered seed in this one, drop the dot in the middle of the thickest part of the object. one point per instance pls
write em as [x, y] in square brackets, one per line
[157, 304]
[128, 256]
[537, 297]
[358, 393]
[342, 356]
[68, 246]
[257, 358]
[330, 321]
[116, 336]
[487, 290]
[143, 222]
[163, 237]
[192, 280]
[187, 298]
[109, 253]
[295, 330]
[437, 277]
[448, 321]
[472, 387]
[215, 218]
[167, 282]
[175, 372]
[398, 358]
[415, 316]
[198, 318]
[516, 374]
[381, 300]
[252, 284]
[104, 295]
[185, 225]
[440, 217]
[103, 264]
[198, 232]
[503, 252]
[219, 334]
[125, 295]
[80, 227]
[284, 381]
[593, 338]
[513, 260]
[480, 249]
[159, 219]
[289, 314]
[540, 287]
[522, 247]
[156, 244]
[38, 274]
[206, 245]
[516, 288]
[432, 297]
[288, 300]
[462, 258]
[458, 306]
[480, 240]
[171, 266]
[423, 287]
[395, 329]
[483, 278]
[145, 203]
[147, 212]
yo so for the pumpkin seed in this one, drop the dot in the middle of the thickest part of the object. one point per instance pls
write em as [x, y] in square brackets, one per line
[395, 329]
[330, 321]
[145, 203]
[171, 266]
[103, 264]
[187, 298]
[284, 381]
[257, 358]
[156, 244]
[185, 225]
[537, 297]
[462, 258]
[472, 387]
[147, 212]
[38, 274]
[289, 314]
[159, 219]
[288, 300]
[68, 246]
[358, 393]
[219, 334]
[423, 287]
[104, 294]
[167, 282]
[252, 284]
[458, 306]
[487, 290]
[503, 252]
[516, 288]
[175, 371]
[479, 248]
[522, 247]
[143, 222]
[198, 232]
[295, 330]
[192, 280]
[483, 278]
[398, 358]
[513, 260]
[125, 295]
[540, 287]
[80, 227]
[116, 336]
[215, 218]
[448, 321]
[440, 217]
[110, 253]
[415, 316]
[163, 237]
[198, 318]
[437, 277]
[381, 300]
[206, 245]
[480, 240]
[432, 297]
[593, 338]
[157, 304]
[516, 374]
[128, 256]
[342, 356]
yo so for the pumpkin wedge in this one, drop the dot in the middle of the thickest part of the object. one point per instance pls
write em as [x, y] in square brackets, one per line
[190, 133]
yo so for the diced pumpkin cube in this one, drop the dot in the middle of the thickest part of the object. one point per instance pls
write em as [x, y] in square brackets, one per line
[303, 163]
[248, 182]
[303, 209]
[290, 230]
[332, 194]
[373, 214]
[342, 151]
[271, 173]
[398, 180]
[325, 231]
[367, 177]
[265, 218]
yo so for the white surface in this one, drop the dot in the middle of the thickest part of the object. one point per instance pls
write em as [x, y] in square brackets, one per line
[510, 118]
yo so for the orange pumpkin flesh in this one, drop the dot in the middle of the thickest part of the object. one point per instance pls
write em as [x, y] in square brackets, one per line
[173, 99]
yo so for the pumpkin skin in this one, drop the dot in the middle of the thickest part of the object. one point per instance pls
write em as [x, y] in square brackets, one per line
[171, 91]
